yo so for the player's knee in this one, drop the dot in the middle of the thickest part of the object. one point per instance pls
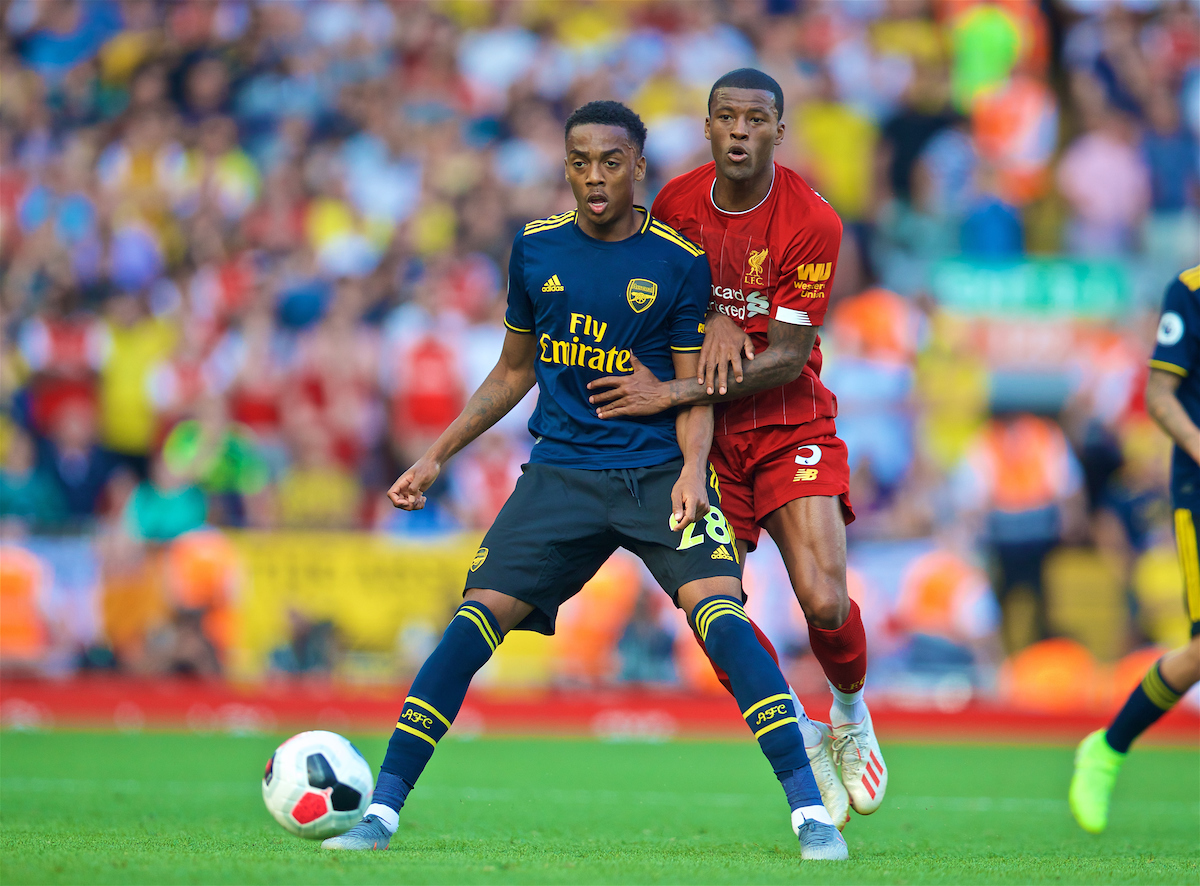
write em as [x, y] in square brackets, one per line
[1191, 654]
[508, 611]
[1181, 668]
[826, 604]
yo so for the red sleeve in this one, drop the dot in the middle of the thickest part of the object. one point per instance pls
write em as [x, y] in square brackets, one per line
[661, 209]
[806, 275]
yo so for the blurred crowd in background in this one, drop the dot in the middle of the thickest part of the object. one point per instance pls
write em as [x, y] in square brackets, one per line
[254, 258]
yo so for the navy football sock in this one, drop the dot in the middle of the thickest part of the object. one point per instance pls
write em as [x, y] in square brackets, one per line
[435, 697]
[1152, 698]
[391, 790]
[761, 693]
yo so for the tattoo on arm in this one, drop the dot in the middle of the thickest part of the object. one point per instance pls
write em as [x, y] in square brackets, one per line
[510, 380]
[787, 352]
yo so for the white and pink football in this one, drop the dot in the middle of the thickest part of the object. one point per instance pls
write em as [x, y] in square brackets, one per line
[317, 785]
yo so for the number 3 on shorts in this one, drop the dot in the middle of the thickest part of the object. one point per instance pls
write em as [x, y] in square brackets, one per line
[715, 525]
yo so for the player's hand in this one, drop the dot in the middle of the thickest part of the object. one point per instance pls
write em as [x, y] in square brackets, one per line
[639, 393]
[724, 344]
[408, 493]
[689, 499]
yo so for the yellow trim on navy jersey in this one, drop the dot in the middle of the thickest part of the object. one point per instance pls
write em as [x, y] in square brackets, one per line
[670, 234]
[682, 350]
[1189, 560]
[549, 224]
[1191, 278]
[1169, 367]
[646, 223]
[517, 328]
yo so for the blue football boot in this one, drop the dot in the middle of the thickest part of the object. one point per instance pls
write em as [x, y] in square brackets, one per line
[368, 834]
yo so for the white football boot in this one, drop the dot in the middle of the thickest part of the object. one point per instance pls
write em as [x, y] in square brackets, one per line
[833, 792]
[856, 752]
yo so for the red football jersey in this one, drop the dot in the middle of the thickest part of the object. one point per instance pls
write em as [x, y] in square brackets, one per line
[776, 260]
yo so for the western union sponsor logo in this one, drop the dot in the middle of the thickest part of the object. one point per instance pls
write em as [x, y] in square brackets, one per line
[815, 273]
[552, 285]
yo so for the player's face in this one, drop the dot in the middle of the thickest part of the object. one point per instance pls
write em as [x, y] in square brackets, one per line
[743, 126]
[602, 165]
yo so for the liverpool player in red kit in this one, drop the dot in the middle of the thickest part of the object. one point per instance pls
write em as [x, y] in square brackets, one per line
[772, 243]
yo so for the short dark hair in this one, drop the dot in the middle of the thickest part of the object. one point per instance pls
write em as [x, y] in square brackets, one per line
[608, 113]
[749, 78]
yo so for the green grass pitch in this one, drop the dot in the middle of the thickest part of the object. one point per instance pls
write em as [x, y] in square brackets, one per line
[80, 807]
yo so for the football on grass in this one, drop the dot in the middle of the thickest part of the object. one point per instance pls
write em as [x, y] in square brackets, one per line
[317, 785]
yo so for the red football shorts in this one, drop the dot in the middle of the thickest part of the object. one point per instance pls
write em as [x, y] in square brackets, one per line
[763, 469]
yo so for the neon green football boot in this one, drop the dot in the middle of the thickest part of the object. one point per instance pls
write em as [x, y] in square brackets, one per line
[1096, 768]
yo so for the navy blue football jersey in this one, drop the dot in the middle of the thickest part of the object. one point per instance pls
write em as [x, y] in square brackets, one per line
[592, 304]
[1178, 351]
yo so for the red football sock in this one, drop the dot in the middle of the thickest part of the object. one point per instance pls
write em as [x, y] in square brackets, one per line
[721, 675]
[842, 652]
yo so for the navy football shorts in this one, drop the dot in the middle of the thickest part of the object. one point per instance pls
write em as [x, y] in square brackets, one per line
[1187, 509]
[561, 524]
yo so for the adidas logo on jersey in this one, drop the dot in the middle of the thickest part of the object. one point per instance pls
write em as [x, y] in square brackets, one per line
[721, 553]
[552, 285]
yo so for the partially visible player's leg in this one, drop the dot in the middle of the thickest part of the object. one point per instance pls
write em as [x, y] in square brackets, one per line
[735, 493]
[714, 609]
[1099, 756]
[700, 567]
[811, 536]
[818, 739]
[550, 537]
[433, 701]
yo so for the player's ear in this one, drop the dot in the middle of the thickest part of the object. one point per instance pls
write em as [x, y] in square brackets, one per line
[639, 168]
[779, 132]
[707, 128]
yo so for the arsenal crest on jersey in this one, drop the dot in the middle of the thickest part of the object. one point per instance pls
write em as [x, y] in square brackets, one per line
[641, 294]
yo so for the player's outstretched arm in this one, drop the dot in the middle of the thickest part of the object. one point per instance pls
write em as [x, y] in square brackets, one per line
[506, 385]
[694, 430]
[1164, 407]
[640, 393]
